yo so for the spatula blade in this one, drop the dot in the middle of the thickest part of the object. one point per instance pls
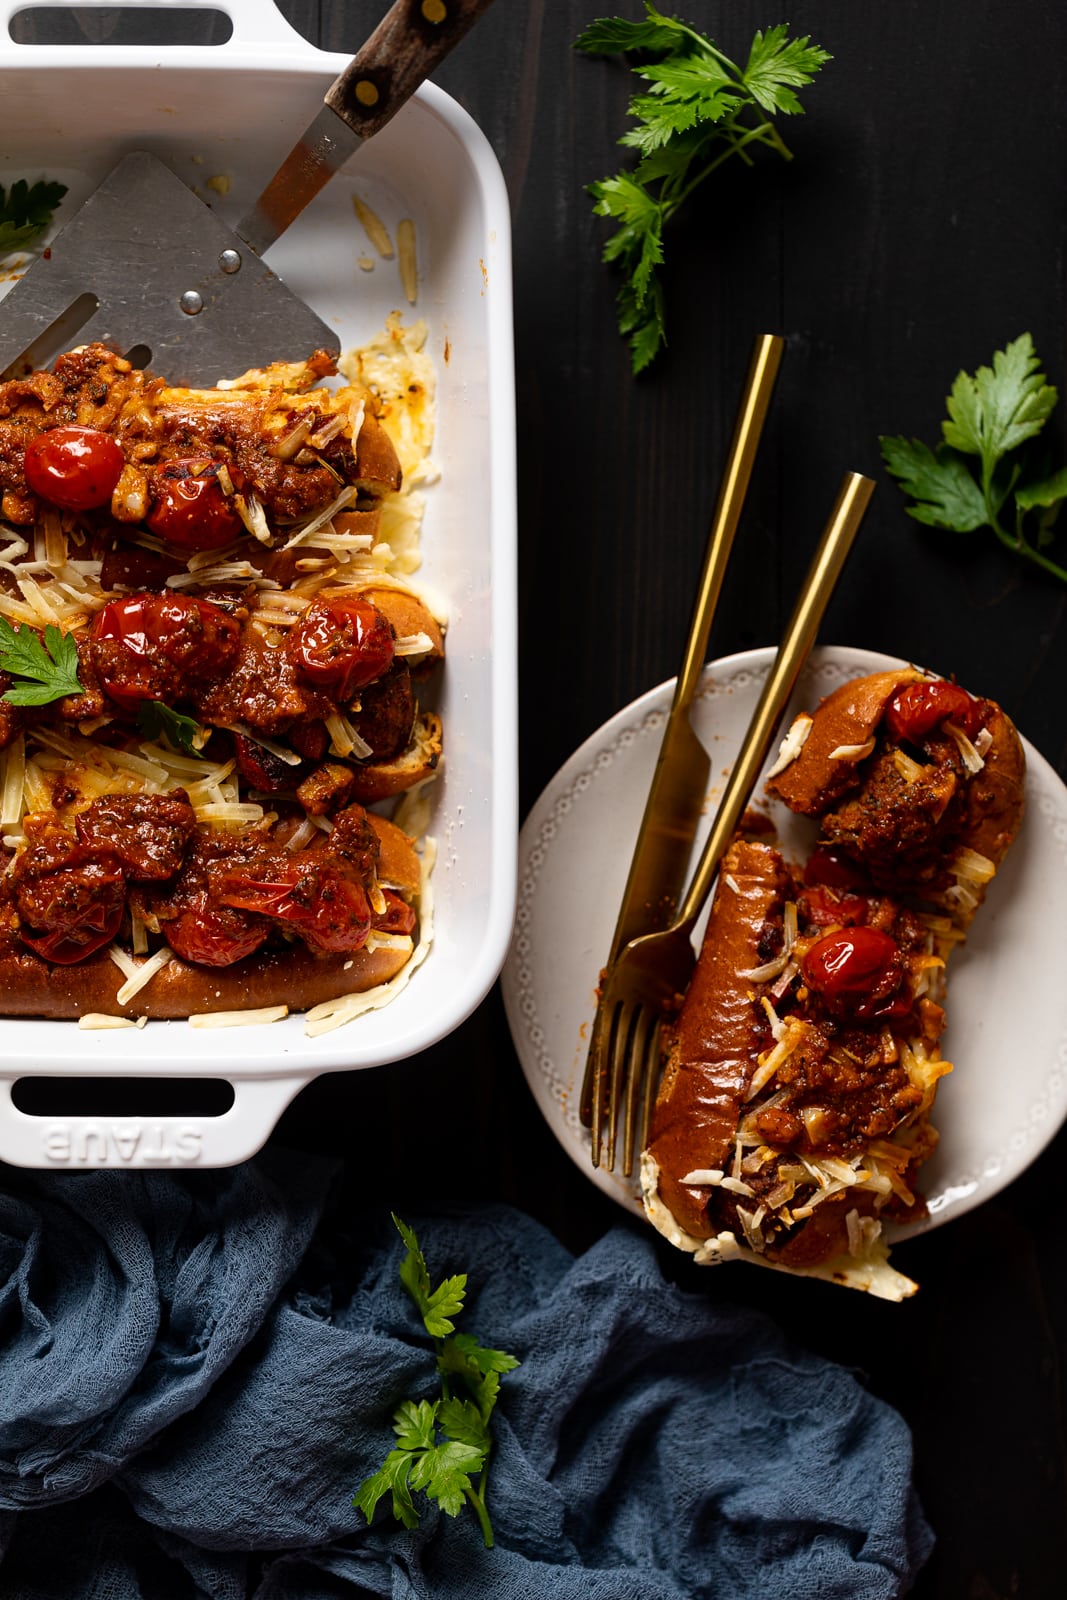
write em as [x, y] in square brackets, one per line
[144, 247]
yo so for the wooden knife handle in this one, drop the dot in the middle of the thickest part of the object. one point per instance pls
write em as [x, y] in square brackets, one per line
[408, 43]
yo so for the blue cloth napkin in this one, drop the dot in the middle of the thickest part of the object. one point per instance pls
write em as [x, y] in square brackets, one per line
[197, 1371]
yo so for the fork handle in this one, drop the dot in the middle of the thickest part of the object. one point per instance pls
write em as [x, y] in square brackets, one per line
[794, 649]
[748, 430]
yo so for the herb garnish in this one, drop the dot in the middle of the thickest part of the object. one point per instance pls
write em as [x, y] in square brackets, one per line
[26, 211]
[700, 109]
[986, 464]
[157, 720]
[52, 665]
[441, 1444]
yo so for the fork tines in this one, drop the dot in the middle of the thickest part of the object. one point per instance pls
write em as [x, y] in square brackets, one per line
[626, 1042]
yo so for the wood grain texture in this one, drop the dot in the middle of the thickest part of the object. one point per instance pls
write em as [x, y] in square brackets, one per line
[921, 225]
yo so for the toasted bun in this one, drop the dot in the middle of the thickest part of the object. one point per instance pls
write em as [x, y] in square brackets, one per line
[847, 718]
[409, 615]
[291, 976]
[381, 780]
[287, 975]
[377, 466]
[996, 797]
[713, 1052]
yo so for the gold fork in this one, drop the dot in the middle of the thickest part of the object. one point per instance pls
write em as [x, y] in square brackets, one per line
[650, 974]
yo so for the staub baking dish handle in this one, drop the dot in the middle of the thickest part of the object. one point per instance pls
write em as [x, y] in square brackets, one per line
[80, 1142]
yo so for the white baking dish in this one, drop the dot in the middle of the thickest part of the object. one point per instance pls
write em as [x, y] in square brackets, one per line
[235, 110]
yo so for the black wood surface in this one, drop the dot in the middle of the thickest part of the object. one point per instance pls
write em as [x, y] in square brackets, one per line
[922, 224]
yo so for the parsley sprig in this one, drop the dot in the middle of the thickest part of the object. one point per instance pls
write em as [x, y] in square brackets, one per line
[50, 667]
[25, 212]
[157, 720]
[442, 1445]
[987, 471]
[700, 109]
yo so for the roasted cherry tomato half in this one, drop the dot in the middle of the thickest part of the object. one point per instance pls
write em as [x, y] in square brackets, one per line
[329, 912]
[155, 646]
[831, 866]
[830, 908]
[66, 947]
[70, 898]
[856, 965]
[190, 509]
[76, 468]
[919, 708]
[342, 645]
[211, 935]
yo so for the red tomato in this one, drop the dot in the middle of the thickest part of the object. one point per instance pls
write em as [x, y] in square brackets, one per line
[190, 509]
[342, 645]
[70, 898]
[829, 865]
[66, 946]
[76, 468]
[857, 964]
[827, 908]
[329, 912]
[919, 708]
[210, 935]
[151, 646]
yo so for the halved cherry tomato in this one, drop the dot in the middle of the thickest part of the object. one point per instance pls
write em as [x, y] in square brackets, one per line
[342, 645]
[260, 768]
[211, 935]
[189, 508]
[329, 911]
[76, 468]
[828, 908]
[155, 646]
[919, 708]
[855, 965]
[830, 865]
[66, 946]
[70, 897]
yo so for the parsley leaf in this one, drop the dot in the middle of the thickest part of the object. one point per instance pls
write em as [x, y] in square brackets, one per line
[51, 665]
[699, 109]
[940, 482]
[157, 720]
[435, 1307]
[390, 1479]
[26, 211]
[985, 461]
[443, 1445]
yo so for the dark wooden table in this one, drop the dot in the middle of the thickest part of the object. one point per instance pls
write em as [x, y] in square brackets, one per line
[921, 226]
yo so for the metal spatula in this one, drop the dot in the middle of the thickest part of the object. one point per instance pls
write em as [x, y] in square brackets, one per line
[147, 268]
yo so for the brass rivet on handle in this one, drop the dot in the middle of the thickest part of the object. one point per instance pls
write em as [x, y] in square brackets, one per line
[366, 92]
[434, 10]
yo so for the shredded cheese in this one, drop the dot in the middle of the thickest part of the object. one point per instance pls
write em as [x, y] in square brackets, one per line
[143, 974]
[238, 1019]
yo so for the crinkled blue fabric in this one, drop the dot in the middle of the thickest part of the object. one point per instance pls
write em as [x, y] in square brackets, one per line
[197, 1371]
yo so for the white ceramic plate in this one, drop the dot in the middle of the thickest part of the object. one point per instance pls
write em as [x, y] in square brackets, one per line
[1007, 1027]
